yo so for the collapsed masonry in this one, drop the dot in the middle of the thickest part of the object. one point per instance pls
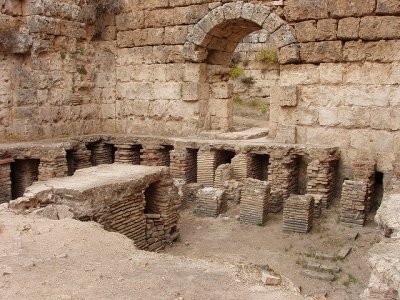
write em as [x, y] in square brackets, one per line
[137, 201]
[259, 176]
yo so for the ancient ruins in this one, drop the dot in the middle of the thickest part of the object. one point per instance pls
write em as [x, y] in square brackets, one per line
[207, 129]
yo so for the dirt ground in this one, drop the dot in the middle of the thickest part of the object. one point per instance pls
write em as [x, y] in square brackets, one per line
[69, 259]
[225, 240]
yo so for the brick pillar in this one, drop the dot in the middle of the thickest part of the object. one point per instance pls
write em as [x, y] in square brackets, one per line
[5, 180]
[102, 153]
[254, 201]
[155, 156]
[240, 165]
[206, 165]
[126, 154]
[282, 173]
[179, 163]
[364, 170]
[353, 203]
[81, 158]
[321, 174]
[51, 167]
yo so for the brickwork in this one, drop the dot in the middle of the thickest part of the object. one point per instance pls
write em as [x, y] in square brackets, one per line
[23, 174]
[210, 202]
[322, 179]
[81, 158]
[254, 202]
[298, 213]
[155, 156]
[184, 164]
[354, 202]
[53, 167]
[102, 153]
[206, 165]
[5, 180]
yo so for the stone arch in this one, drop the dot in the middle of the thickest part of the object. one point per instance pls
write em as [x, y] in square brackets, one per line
[212, 42]
[218, 33]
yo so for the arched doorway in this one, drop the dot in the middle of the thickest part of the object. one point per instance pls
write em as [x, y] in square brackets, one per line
[212, 42]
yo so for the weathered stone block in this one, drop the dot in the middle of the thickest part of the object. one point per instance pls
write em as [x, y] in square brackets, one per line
[376, 27]
[283, 36]
[348, 28]
[350, 8]
[388, 7]
[285, 95]
[299, 74]
[328, 116]
[175, 35]
[130, 21]
[382, 51]
[306, 31]
[289, 54]
[296, 10]
[331, 73]
[321, 52]
[286, 134]
[326, 29]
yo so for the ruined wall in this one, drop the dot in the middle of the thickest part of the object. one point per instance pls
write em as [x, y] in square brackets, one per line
[345, 91]
[163, 68]
[55, 78]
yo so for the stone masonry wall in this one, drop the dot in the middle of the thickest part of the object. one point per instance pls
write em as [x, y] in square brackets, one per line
[160, 67]
[55, 78]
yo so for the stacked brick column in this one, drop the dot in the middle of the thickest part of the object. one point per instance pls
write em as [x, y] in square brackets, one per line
[354, 202]
[254, 201]
[240, 165]
[206, 165]
[364, 170]
[321, 179]
[102, 153]
[5, 180]
[81, 158]
[184, 164]
[52, 167]
[127, 153]
[298, 213]
[210, 202]
[155, 156]
[282, 173]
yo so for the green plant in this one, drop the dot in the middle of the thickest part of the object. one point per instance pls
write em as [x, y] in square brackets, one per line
[62, 55]
[350, 280]
[264, 108]
[248, 80]
[82, 51]
[236, 72]
[268, 56]
[82, 70]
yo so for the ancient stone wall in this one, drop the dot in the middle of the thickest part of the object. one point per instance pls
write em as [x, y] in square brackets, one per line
[163, 68]
[56, 77]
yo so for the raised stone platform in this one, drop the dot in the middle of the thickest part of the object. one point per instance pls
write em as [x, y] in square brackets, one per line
[121, 197]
